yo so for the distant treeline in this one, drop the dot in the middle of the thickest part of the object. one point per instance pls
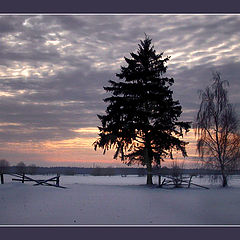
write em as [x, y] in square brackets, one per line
[109, 171]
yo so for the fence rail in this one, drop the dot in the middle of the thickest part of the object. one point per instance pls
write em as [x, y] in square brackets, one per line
[23, 178]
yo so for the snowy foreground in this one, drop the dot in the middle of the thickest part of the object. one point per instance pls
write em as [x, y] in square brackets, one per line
[93, 200]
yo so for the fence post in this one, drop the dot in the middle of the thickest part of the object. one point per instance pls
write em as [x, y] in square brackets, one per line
[23, 177]
[159, 181]
[190, 181]
[57, 180]
[2, 179]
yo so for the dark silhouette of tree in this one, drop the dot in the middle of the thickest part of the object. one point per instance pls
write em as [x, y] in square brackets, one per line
[141, 118]
[4, 166]
[21, 168]
[217, 129]
[98, 171]
[32, 169]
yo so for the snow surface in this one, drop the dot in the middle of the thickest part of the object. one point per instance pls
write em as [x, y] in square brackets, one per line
[103, 200]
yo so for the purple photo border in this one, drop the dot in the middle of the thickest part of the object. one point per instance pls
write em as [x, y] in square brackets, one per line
[123, 6]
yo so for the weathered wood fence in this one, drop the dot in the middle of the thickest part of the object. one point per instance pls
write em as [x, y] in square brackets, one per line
[2, 178]
[176, 181]
[23, 178]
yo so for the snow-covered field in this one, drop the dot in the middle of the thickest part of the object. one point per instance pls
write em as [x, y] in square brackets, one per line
[98, 200]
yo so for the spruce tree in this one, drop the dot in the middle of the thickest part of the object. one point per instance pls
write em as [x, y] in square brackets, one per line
[141, 118]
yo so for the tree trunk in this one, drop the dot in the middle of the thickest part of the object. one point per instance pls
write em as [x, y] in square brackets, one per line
[149, 168]
[224, 178]
[148, 160]
[149, 176]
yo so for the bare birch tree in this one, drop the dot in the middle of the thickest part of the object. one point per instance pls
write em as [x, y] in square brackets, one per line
[217, 129]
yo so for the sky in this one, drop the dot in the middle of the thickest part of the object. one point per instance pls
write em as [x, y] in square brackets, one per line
[53, 69]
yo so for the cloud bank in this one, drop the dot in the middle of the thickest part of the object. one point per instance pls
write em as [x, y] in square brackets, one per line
[53, 69]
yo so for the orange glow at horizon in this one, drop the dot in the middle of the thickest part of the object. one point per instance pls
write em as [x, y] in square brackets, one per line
[80, 149]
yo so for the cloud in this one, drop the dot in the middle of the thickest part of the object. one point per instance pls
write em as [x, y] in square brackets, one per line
[53, 68]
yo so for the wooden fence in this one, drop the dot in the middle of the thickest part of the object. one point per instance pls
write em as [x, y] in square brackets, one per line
[23, 178]
[177, 181]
